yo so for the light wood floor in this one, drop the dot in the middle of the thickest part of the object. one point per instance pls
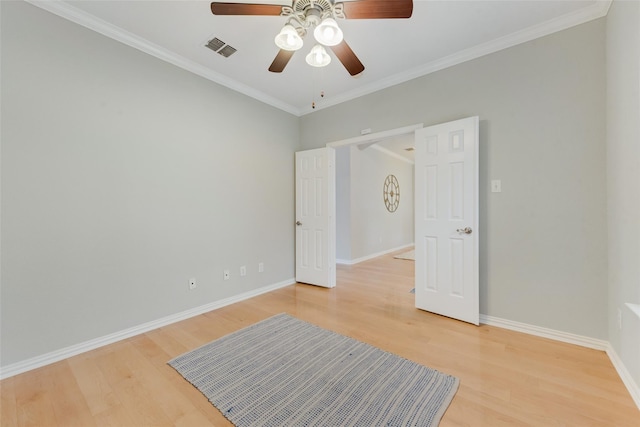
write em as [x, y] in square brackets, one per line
[506, 378]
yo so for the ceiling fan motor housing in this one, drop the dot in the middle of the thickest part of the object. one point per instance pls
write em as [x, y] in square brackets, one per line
[311, 12]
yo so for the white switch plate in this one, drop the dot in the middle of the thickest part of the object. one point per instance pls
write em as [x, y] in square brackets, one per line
[496, 186]
[192, 283]
[243, 270]
[227, 274]
[261, 267]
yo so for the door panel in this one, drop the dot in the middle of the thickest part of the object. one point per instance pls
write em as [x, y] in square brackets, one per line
[446, 168]
[315, 217]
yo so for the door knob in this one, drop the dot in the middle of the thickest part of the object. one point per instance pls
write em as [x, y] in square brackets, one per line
[466, 230]
[298, 223]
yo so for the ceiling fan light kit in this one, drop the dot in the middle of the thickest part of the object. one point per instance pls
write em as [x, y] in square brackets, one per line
[328, 33]
[288, 38]
[318, 57]
[320, 15]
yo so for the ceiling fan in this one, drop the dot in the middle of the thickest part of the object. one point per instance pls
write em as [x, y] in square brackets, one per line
[321, 15]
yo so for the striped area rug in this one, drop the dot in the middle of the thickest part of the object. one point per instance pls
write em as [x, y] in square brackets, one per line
[286, 372]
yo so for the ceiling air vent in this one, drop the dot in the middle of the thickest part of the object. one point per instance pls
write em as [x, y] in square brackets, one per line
[218, 46]
[227, 51]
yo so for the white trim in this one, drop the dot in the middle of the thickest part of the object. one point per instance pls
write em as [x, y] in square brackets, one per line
[596, 344]
[373, 137]
[538, 331]
[624, 374]
[64, 353]
[107, 29]
[599, 9]
[368, 257]
[65, 10]
[392, 154]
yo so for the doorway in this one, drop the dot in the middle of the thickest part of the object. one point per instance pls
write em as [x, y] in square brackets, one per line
[368, 222]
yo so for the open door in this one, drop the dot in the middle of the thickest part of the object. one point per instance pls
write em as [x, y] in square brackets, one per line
[315, 217]
[446, 219]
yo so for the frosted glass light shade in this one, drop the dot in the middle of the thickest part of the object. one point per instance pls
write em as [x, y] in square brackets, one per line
[318, 57]
[288, 38]
[328, 33]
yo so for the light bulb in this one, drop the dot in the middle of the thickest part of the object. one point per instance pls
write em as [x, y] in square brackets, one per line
[318, 57]
[328, 33]
[288, 38]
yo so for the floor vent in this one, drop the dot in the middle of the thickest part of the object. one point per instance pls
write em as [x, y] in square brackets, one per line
[218, 46]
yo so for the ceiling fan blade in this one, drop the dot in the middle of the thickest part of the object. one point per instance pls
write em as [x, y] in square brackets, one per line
[220, 8]
[348, 58]
[281, 60]
[375, 9]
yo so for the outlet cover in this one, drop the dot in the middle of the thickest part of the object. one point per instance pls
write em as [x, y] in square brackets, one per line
[192, 284]
[227, 274]
[243, 270]
[261, 267]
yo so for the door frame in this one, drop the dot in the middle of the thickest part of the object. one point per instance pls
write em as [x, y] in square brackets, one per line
[358, 140]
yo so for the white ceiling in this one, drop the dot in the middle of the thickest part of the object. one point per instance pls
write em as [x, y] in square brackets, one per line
[438, 35]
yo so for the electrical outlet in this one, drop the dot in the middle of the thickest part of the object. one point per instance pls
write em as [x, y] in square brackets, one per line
[496, 186]
[243, 270]
[227, 274]
[192, 283]
[261, 267]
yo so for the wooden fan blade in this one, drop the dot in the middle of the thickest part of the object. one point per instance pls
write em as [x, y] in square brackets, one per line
[348, 58]
[281, 60]
[375, 9]
[219, 8]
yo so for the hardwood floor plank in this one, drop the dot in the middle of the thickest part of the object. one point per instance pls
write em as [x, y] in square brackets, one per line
[69, 403]
[8, 409]
[33, 400]
[506, 378]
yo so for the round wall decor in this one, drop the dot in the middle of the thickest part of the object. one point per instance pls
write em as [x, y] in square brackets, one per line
[391, 193]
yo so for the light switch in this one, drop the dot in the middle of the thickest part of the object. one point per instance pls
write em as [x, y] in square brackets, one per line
[496, 186]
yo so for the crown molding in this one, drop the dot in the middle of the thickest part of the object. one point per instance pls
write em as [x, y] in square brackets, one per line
[73, 14]
[599, 9]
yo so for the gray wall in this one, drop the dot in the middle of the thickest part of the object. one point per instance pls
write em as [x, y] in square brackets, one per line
[122, 177]
[364, 227]
[343, 203]
[623, 179]
[373, 228]
[543, 244]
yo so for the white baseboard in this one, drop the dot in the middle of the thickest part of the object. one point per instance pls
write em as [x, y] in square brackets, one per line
[368, 257]
[64, 353]
[545, 332]
[566, 337]
[626, 377]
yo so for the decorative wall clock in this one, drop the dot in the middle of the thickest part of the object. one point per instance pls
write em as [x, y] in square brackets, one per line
[391, 193]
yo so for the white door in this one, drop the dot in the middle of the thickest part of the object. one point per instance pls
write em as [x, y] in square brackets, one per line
[446, 219]
[315, 217]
